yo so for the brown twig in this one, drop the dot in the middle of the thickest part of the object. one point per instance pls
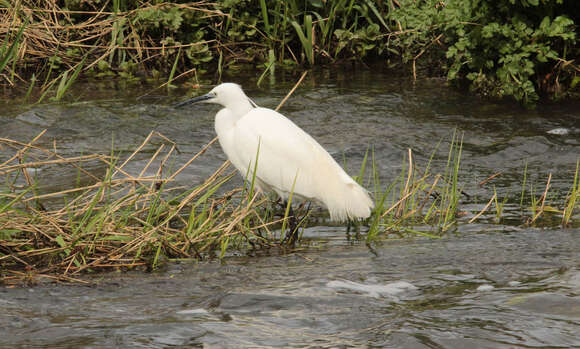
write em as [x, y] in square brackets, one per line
[482, 183]
[541, 210]
[484, 209]
[292, 90]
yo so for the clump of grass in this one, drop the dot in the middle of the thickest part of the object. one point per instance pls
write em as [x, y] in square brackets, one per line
[418, 197]
[59, 44]
[306, 37]
[9, 50]
[121, 219]
[432, 200]
[571, 200]
[536, 210]
[539, 206]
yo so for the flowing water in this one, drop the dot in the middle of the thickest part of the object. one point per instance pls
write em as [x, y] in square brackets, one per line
[484, 285]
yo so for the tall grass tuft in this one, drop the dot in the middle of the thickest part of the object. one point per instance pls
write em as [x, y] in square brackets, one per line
[66, 81]
[121, 219]
[8, 50]
[451, 191]
[305, 37]
[417, 198]
[572, 197]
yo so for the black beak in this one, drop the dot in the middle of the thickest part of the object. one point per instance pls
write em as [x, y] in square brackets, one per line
[194, 100]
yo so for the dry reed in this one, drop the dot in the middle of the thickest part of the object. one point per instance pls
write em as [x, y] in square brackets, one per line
[55, 39]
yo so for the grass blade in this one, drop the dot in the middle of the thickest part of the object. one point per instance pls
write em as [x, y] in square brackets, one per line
[9, 53]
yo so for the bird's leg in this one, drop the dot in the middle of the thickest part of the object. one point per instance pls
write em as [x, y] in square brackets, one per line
[352, 225]
[283, 204]
[348, 225]
[294, 224]
[307, 211]
[260, 233]
[292, 235]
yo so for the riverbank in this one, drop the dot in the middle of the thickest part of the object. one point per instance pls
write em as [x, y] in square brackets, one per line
[521, 51]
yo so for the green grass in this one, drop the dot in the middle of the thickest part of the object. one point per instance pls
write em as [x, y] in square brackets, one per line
[572, 197]
[8, 50]
[304, 33]
[417, 198]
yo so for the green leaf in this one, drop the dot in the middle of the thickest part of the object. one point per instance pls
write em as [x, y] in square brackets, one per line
[575, 81]
[7, 233]
[316, 3]
[8, 54]
[122, 238]
[60, 241]
[545, 24]
[377, 14]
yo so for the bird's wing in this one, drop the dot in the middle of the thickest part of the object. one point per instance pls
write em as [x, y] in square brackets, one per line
[287, 155]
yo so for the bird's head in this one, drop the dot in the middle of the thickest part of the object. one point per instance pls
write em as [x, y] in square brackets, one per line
[228, 94]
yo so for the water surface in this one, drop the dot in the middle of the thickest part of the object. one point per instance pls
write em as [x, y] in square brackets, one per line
[485, 285]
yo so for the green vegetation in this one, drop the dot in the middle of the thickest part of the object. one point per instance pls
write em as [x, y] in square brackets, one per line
[523, 49]
[518, 48]
[419, 198]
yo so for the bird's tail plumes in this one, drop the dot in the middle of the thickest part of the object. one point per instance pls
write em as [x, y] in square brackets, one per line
[354, 203]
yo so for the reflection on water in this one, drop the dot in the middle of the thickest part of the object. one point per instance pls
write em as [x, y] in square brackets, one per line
[488, 286]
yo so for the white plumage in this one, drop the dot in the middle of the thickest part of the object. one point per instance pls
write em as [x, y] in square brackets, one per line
[288, 158]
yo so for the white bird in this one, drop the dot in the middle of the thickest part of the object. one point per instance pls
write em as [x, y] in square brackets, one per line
[289, 159]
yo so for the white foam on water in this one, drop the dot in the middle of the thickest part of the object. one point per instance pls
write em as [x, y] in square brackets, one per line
[376, 291]
[485, 288]
[560, 131]
[199, 311]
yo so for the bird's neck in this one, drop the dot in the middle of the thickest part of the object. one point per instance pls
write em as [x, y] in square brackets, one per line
[240, 107]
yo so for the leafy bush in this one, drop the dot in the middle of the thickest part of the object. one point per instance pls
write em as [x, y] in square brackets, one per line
[517, 48]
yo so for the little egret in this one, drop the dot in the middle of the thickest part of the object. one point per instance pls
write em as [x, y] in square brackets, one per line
[289, 159]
